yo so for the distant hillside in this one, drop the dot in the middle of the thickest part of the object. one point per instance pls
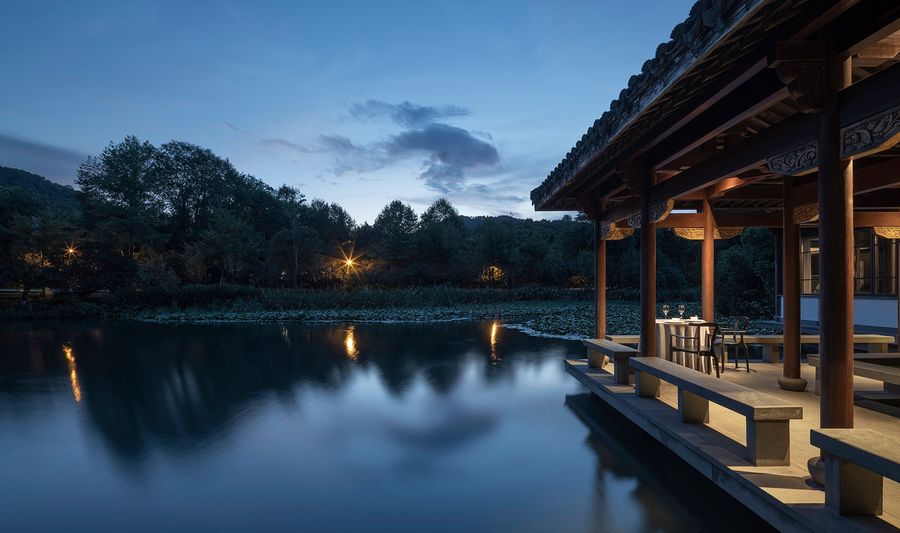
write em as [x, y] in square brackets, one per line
[53, 195]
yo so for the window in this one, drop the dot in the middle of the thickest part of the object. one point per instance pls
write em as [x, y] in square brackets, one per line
[809, 266]
[874, 262]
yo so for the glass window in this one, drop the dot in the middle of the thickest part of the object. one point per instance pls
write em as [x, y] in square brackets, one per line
[809, 266]
[885, 266]
[874, 262]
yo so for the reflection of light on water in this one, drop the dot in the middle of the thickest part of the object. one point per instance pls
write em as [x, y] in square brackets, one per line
[494, 355]
[284, 334]
[73, 375]
[350, 344]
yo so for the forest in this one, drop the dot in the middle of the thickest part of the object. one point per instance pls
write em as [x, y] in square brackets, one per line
[155, 219]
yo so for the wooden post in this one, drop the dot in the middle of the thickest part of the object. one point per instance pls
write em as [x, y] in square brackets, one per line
[648, 271]
[835, 256]
[599, 283]
[708, 263]
[790, 275]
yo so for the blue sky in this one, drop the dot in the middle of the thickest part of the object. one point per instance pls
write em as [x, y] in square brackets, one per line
[354, 102]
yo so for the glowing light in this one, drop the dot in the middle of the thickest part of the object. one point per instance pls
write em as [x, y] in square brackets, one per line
[350, 344]
[73, 374]
[494, 355]
[349, 262]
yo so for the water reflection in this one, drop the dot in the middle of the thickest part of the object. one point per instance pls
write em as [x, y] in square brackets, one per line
[412, 423]
[350, 343]
[73, 372]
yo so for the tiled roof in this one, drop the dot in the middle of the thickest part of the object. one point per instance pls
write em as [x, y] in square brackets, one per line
[707, 23]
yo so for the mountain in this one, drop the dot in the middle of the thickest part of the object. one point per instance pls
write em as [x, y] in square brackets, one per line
[54, 196]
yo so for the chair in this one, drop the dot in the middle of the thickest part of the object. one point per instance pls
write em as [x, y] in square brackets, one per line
[690, 344]
[735, 337]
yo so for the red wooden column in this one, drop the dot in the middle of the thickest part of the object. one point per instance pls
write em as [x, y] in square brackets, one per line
[648, 271]
[708, 263]
[790, 271]
[599, 282]
[835, 256]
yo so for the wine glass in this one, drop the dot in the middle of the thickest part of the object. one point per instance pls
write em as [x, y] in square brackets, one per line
[665, 311]
[681, 311]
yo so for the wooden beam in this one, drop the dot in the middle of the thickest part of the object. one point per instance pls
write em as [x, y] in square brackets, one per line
[648, 270]
[858, 102]
[724, 219]
[870, 178]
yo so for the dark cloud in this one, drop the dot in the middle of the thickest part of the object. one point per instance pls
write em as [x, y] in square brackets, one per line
[405, 113]
[450, 151]
[53, 162]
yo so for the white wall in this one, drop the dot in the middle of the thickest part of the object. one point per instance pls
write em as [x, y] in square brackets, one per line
[876, 312]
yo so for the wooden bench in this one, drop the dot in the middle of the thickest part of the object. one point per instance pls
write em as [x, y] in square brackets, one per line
[772, 344]
[768, 417]
[883, 367]
[601, 349]
[856, 462]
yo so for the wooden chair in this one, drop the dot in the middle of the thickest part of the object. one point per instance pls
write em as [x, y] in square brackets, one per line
[735, 337]
[690, 344]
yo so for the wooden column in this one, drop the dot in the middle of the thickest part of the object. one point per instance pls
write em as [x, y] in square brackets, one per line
[835, 256]
[790, 275]
[708, 263]
[599, 283]
[648, 271]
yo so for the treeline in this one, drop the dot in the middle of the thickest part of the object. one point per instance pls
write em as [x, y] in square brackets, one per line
[158, 217]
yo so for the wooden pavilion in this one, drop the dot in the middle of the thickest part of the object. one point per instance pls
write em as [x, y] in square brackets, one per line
[782, 114]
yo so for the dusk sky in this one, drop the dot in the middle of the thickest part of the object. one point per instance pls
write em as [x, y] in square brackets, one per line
[354, 102]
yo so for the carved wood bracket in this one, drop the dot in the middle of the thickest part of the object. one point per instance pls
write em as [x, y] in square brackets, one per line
[610, 232]
[888, 232]
[872, 134]
[696, 234]
[801, 67]
[658, 212]
[797, 160]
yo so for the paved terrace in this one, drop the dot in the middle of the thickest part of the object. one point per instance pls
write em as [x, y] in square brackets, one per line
[779, 494]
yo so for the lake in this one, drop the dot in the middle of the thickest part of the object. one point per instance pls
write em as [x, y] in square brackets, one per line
[334, 427]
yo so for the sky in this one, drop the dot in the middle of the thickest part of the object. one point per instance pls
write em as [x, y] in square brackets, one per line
[358, 103]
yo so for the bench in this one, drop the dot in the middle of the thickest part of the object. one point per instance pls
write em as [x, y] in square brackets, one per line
[768, 417]
[884, 367]
[856, 462]
[601, 349]
[772, 344]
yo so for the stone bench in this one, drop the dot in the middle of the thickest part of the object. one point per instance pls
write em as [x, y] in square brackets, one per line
[601, 349]
[768, 417]
[856, 462]
[883, 367]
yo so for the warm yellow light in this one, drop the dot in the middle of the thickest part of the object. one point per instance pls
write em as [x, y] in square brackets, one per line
[350, 344]
[73, 374]
[349, 262]
[494, 328]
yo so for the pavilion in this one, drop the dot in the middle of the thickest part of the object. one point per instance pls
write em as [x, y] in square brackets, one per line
[782, 114]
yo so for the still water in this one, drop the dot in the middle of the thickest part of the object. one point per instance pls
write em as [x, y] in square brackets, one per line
[390, 427]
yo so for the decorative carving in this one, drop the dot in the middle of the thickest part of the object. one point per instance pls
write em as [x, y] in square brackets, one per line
[882, 130]
[658, 213]
[797, 160]
[888, 232]
[610, 232]
[806, 213]
[696, 234]
[801, 67]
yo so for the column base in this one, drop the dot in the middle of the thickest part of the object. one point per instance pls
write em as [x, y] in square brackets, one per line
[792, 384]
[816, 467]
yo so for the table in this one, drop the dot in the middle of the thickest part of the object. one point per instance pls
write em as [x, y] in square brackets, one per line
[665, 328]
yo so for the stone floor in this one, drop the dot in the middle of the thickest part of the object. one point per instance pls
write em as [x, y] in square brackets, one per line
[782, 495]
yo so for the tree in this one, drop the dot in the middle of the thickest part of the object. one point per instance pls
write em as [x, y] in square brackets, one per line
[394, 228]
[439, 242]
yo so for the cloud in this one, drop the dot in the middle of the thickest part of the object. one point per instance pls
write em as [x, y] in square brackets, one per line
[450, 152]
[405, 113]
[284, 143]
[54, 162]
